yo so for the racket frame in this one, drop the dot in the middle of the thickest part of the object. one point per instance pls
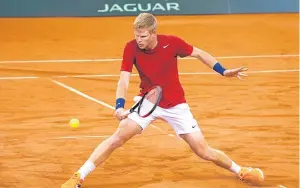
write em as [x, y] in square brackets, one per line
[138, 104]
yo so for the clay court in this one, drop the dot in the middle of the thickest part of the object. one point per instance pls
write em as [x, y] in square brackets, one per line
[54, 69]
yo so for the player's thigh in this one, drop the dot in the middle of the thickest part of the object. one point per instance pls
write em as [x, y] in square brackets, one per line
[181, 119]
[127, 129]
[196, 141]
[142, 122]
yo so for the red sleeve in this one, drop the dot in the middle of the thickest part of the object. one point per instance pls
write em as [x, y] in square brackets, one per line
[182, 48]
[128, 58]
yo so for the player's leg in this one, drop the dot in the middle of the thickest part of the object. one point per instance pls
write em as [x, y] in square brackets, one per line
[127, 129]
[183, 122]
[200, 147]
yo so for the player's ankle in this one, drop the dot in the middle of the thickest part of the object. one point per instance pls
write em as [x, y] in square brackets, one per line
[235, 168]
[86, 169]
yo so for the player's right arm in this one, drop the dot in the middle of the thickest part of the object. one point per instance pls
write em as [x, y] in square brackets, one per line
[123, 83]
[121, 94]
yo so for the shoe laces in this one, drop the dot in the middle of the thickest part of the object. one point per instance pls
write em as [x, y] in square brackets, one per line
[242, 174]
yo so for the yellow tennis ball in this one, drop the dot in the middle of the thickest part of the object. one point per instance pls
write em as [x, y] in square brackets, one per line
[74, 123]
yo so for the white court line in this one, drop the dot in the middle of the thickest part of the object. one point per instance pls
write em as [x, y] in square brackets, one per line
[272, 71]
[77, 137]
[53, 61]
[119, 59]
[117, 75]
[82, 94]
[19, 78]
[182, 73]
[95, 136]
[91, 75]
[97, 101]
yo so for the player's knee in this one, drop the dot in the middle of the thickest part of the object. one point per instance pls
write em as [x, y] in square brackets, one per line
[207, 154]
[115, 141]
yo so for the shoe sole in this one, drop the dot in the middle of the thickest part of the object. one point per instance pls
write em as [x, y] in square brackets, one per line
[261, 173]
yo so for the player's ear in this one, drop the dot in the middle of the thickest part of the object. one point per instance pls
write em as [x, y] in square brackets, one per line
[153, 32]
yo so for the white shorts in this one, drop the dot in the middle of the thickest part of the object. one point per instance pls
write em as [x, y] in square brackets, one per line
[179, 117]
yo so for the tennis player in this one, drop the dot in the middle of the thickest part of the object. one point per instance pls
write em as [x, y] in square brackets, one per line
[155, 58]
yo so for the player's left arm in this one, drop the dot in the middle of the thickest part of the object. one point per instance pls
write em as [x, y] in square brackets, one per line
[212, 62]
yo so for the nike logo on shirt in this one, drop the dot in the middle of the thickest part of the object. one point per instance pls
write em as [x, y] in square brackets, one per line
[166, 46]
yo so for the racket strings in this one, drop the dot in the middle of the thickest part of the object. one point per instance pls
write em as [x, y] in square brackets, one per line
[153, 95]
[150, 101]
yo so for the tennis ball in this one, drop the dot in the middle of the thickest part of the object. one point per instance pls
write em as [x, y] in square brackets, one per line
[74, 123]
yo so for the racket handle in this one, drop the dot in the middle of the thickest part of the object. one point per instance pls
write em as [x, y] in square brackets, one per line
[126, 113]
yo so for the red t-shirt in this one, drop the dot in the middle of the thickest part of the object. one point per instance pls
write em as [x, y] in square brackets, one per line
[158, 67]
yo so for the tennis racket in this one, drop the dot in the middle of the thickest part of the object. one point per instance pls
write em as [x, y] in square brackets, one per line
[147, 104]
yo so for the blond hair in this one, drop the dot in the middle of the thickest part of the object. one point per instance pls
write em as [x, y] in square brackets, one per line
[145, 20]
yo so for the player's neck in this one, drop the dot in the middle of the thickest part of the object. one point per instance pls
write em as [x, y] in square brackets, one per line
[152, 45]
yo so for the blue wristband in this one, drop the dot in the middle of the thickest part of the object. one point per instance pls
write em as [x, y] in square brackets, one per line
[219, 68]
[120, 103]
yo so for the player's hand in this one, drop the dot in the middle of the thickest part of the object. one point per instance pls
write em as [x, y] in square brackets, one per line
[239, 72]
[120, 114]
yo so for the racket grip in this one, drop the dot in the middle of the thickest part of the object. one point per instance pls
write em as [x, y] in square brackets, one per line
[126, 113]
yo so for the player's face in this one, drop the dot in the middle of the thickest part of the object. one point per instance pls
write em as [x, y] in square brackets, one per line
[144, 38]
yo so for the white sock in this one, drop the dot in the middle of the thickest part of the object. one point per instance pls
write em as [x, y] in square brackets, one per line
[235, 168]
[87, 168]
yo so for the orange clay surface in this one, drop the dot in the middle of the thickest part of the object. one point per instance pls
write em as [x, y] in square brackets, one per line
[254, 121]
